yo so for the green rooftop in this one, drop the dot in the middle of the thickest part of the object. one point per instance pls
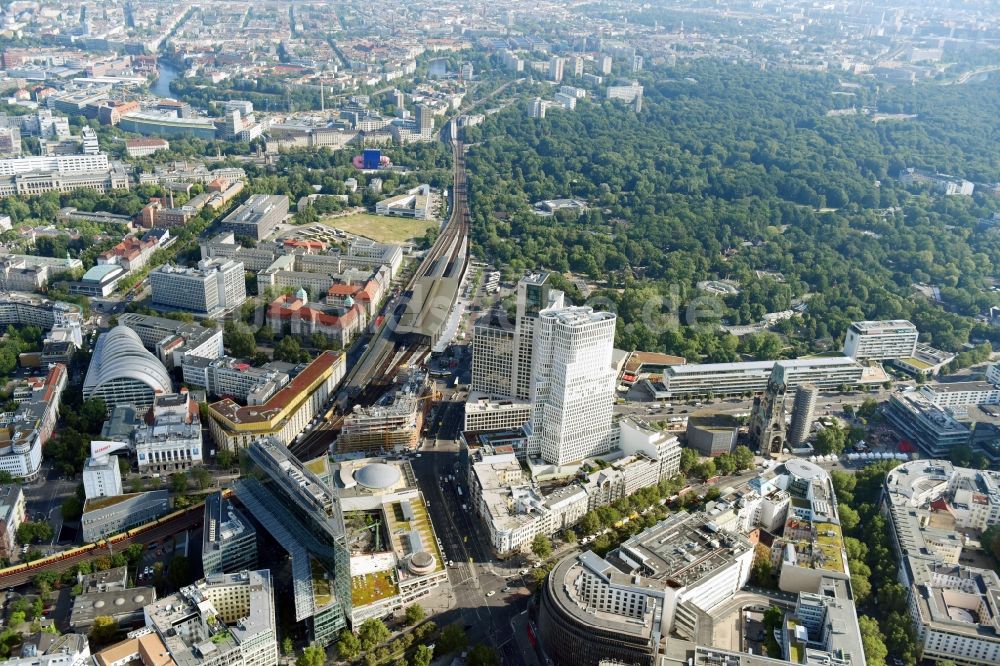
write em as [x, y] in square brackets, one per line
[372, 587]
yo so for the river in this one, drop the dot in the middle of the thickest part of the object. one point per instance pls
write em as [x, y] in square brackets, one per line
[161, 87]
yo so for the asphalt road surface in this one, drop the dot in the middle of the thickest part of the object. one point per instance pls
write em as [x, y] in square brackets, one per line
[487, 618]
[44, 498]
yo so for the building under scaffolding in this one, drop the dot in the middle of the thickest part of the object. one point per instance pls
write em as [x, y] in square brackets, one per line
[391, 425]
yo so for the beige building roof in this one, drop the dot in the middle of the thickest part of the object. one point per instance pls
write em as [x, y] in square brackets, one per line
[149, 649]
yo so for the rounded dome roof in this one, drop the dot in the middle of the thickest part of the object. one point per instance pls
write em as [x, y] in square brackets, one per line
[377, 476]
[804, 469]
[420, 563]
[119, 354]
[423, 559]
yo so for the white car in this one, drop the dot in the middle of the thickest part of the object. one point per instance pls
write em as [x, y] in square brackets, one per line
[491, 593]
[523, 572]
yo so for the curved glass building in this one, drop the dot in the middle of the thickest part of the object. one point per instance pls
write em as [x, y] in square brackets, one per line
[122, 371]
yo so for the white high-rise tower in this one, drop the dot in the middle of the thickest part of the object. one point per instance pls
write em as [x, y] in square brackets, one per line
[573, 384]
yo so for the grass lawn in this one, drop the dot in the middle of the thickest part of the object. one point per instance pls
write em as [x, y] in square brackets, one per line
[916, 363]
[322, 590]
[372, 587]
[380, 227]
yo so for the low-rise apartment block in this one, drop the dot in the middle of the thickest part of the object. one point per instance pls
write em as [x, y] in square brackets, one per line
[12, 514]
[25, 431]
[954, 607]
[222, 619]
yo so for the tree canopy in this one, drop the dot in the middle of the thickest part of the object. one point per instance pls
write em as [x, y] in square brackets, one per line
[734, 173]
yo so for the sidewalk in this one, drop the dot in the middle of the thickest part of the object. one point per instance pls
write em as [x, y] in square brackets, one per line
[519, 627]
[440, 600]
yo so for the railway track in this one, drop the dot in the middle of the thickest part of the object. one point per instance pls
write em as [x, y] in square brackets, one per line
[152, 532]
[450, 248]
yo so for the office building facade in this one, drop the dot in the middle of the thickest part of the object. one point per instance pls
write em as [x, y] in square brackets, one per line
[258, 217]
[104, 516]
[302, 513]
[619, 609]
[229, 541]
[212, 289]
[101, 474]
[803, 414]
[285, 414]
[493, 355]
[573, 384]
[881, 340]
[534, 294]
[933, 429]
[483, 412]
[719, 379]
